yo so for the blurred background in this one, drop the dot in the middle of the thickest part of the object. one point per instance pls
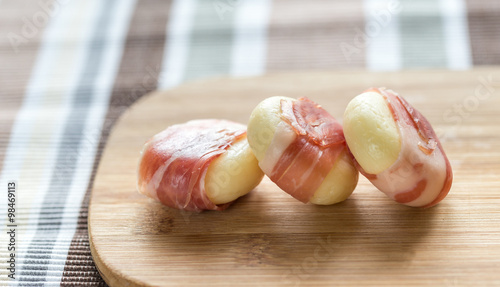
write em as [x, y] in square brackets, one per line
[69, 68]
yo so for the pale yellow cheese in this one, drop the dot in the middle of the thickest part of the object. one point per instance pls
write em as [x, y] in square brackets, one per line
[339, 184]
[371, 132]
[262, 125]
[233, 174]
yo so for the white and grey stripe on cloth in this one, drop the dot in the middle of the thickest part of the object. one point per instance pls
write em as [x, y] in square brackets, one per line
[64, 108]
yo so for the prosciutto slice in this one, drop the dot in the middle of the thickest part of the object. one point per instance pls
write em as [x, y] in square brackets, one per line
[174, 162]
[304, 148]
[422, 175]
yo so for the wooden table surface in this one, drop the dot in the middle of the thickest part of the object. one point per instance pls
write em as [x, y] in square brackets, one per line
[267, 238]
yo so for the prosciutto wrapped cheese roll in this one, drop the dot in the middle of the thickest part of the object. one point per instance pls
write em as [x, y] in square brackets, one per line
[396, 148]
[301, 148]
[198, 165]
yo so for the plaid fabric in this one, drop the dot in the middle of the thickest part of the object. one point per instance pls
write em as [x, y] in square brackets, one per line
[69, 68]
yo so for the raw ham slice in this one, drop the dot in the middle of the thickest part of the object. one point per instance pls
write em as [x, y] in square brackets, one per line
[315, 140]
[174, 162]
[422, 174]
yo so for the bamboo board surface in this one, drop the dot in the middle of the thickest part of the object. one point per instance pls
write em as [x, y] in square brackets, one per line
[267, 238]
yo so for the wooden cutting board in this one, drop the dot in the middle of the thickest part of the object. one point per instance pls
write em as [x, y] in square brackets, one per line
[267, 238]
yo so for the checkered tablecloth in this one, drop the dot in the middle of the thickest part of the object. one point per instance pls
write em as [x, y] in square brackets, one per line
[69, 68]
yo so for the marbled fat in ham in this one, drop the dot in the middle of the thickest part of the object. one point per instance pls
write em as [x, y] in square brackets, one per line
[422, 175]
[174, 162]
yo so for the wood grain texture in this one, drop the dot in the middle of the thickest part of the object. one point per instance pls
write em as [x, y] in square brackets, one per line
[267, 238]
